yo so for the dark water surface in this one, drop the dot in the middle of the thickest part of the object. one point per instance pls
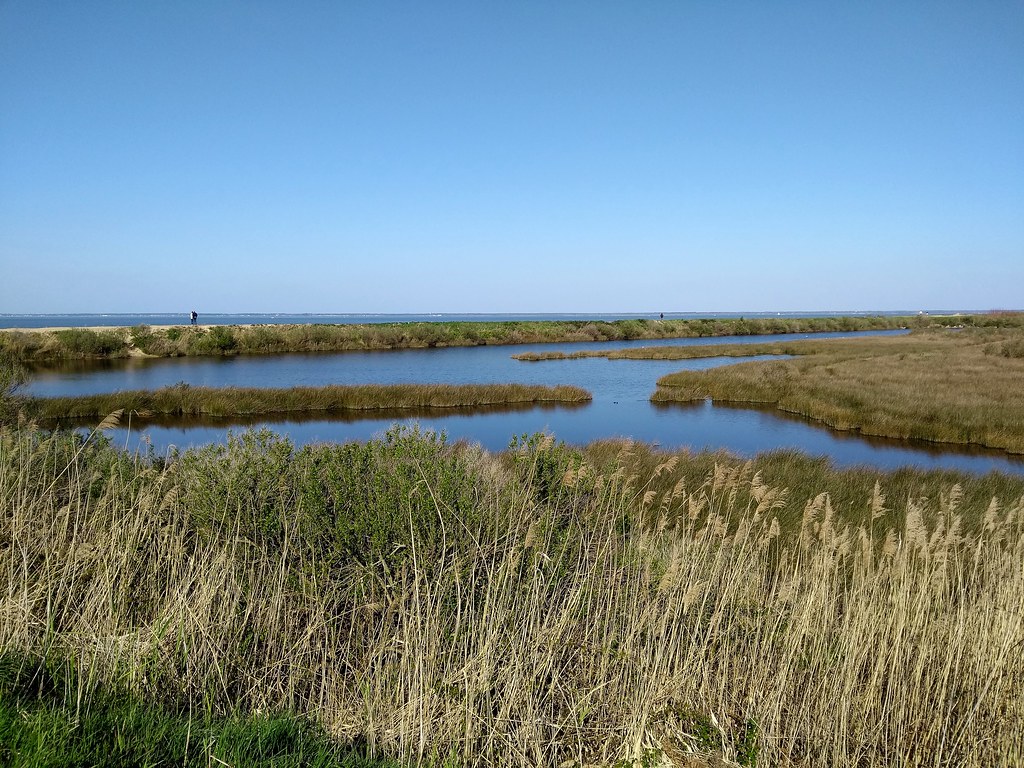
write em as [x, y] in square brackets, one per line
[620, 408]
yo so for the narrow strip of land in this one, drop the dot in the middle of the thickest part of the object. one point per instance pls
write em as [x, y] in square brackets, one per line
[1002, 320]
[676, 352]
[179, 341]
[185, 400]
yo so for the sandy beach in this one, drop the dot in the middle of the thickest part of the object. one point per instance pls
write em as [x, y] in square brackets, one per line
[101, 328]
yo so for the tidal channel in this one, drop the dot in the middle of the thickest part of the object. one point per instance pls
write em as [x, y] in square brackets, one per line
[621, 407]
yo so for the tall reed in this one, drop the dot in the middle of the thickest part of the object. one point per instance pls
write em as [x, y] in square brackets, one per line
[533, 608]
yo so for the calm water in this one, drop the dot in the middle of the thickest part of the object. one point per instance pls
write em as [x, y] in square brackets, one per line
[182, 318]
[621, 406]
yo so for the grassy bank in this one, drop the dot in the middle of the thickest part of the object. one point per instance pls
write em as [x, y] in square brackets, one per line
[440, 605]
[277, 339]
[185, 400]
[950, 386]
[787, 347]
[44, 721]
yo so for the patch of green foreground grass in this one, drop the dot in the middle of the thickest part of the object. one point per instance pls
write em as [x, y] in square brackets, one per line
[47, 719]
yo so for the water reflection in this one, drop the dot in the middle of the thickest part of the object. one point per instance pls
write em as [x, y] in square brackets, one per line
[744, 431]
[853, 438]
[620, 408]
[454, 365]
[287, 419]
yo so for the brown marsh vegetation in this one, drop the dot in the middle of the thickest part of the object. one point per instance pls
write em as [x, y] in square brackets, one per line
[961, 386]
[444, 606]
[184, 400]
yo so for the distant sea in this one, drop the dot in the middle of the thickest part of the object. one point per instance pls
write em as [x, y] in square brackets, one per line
[283, 318]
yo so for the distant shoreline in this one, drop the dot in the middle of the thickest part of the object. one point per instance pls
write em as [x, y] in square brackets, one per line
[107, 328]
[51, 321]
[143, 340]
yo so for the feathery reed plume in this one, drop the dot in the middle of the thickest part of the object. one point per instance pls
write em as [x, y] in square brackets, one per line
[436, 602]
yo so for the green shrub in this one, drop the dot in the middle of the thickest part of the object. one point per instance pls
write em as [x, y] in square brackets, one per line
[261, 340]
[48, 717]
[1013, 348]
[143, 338]
[357, 502]
[368, 502]
[83, 342]
[140, 334]
[253, 471]
[542, 464]
[218, 340]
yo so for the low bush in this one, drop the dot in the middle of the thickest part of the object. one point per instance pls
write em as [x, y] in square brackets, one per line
[1013, 348]
[82, 342]
[218, 340]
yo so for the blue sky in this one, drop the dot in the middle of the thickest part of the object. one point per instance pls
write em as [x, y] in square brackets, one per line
[510, 156]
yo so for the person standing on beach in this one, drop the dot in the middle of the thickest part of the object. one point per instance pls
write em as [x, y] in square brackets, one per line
[194, 317]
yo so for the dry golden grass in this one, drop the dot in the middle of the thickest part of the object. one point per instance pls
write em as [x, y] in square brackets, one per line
[784, 347]
[945, 386]
[572, 615]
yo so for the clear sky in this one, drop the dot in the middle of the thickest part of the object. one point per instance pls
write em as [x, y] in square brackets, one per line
[537, 156]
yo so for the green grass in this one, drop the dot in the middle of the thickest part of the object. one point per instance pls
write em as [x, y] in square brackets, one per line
[277, 339]
[185, 400]
[49, 718]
